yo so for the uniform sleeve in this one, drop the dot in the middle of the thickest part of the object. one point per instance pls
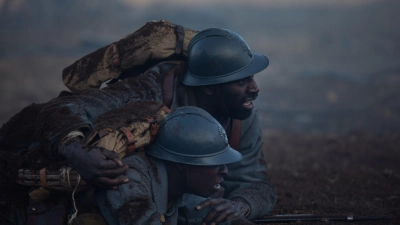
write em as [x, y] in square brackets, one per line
[131, 203]
[65, 114]
[248, 179]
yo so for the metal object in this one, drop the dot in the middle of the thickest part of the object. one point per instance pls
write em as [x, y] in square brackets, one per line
[190, 135]
[219, 56]
[64, 179]
[287, 218]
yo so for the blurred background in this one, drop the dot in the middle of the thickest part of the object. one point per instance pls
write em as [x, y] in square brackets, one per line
[334, 65]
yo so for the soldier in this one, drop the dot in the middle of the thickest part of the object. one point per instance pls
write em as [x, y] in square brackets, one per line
[180, 161]
[218, 78]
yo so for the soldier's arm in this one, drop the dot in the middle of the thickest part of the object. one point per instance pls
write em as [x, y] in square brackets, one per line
[247, 179]
[63, 115]
[59, 123]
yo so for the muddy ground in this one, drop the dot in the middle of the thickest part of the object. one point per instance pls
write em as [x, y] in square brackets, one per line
[353, 174]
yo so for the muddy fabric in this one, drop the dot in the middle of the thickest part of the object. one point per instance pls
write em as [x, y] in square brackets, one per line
[140, 119]
[13, 197]
[65, 114]
[16, 135]
[143, 200]
[18, 149]
[247, 179]
[153, 42]
[29, 139]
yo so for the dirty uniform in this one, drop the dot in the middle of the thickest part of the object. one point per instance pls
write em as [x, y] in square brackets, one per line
[247, 179]
[144, 199]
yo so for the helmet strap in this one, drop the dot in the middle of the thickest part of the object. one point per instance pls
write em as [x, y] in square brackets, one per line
[186, 179]
[221, 100]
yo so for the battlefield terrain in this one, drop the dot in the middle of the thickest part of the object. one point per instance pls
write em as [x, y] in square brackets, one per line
[329, 102]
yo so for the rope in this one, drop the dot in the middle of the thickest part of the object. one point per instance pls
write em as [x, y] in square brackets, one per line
[73, 195]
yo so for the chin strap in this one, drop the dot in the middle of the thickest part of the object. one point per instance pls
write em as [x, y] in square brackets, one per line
[221, 99]
[236, 133]
[236, 125]
[186, 180]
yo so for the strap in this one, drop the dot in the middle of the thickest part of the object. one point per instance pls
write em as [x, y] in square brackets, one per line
[236, 132]
[180, 35]
[130, 138]
[42, 175]
[169, 87]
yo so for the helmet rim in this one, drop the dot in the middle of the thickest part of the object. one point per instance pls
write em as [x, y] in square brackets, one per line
[259, 63]
[190, 135]
[227, 156]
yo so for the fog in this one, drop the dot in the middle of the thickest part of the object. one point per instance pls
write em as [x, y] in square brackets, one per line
[334, 65]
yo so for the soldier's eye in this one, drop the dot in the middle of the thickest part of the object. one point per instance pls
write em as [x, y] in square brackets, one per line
[242, 81]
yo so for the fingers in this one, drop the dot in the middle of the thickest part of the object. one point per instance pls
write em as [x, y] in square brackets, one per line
[223, 216]
[210, 202]
[221, 210]
[115, 172]
[111, 183]
[216, 211]
[208, 219]
[118, 161]
[110, 154]
[112, 157]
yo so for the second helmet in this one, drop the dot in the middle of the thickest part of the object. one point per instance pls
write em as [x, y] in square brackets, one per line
[190, 135]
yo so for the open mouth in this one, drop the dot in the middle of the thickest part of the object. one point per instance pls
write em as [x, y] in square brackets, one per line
[217, 187]
[248, 104]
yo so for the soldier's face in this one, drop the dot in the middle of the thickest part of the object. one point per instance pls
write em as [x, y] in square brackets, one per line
[205, 180]
[238, 97]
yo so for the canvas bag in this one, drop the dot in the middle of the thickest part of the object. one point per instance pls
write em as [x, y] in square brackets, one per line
[154, 42]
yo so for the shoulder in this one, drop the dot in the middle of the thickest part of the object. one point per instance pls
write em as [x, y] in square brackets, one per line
[252, 122]
[145, 164]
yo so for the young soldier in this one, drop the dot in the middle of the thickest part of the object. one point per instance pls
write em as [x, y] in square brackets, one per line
[188, 156]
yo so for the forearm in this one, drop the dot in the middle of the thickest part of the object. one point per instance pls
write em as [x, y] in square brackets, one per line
[62, 115]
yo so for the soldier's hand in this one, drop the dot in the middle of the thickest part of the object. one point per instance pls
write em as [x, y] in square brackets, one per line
[223, 210]
[96, 165]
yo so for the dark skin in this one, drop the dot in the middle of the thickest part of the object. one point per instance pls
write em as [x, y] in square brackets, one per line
[232, 99]
[198, 180]
[100, 166]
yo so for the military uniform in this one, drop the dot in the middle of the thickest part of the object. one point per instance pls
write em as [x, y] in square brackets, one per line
[247, 179]
[144, 199]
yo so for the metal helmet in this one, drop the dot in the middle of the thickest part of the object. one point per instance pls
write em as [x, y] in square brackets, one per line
[190, 135]
[219, 56]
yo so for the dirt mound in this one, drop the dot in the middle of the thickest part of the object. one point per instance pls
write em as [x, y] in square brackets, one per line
[353, 174]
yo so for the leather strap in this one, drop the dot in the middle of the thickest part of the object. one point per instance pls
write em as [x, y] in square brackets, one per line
[131, 139]
[169, 87]
[236, 132]
[180, 35]
[128, 134]
[42, 175]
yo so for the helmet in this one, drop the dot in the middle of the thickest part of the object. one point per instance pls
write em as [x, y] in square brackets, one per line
[219, 56]
[190, 135]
